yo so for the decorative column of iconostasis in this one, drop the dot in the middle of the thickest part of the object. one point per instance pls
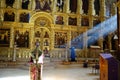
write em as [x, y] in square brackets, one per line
[79, 11]
[102, 8]
[33, 4]
[11, 37]
[54, 8]
[110, 36]
[69, 39]
[102, 18]
[67, 6]
[79, 6]
[90, 13]
[85, 43]
[32, 34]
[18, 4]
[1, 3]
[42, 39]
[52, 35]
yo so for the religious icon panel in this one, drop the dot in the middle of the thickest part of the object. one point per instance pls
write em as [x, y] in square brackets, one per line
[4, 37]
[22, 38]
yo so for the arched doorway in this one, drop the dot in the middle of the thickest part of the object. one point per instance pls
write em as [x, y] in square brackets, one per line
[42, 30]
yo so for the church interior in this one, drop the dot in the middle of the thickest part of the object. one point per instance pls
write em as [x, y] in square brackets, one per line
[66, 32]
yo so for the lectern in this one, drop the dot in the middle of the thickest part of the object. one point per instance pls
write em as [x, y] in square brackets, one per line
[109, 67]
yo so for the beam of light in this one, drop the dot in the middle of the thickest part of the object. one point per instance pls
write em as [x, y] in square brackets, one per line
[100, 30]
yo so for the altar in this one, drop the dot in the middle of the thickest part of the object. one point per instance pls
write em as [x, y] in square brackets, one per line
[94, 52]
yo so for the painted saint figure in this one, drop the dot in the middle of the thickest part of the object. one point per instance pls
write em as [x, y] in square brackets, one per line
[73, 6]
[25, 4]
[9, 16]
[37, 43]
[9, 3]
[60, 4]
[24, 17]
[43, 5]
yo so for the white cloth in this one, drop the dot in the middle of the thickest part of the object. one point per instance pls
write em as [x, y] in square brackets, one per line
[40, 60]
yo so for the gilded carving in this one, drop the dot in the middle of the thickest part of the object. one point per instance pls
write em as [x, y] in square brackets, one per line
[42, 22]
[53, 22]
